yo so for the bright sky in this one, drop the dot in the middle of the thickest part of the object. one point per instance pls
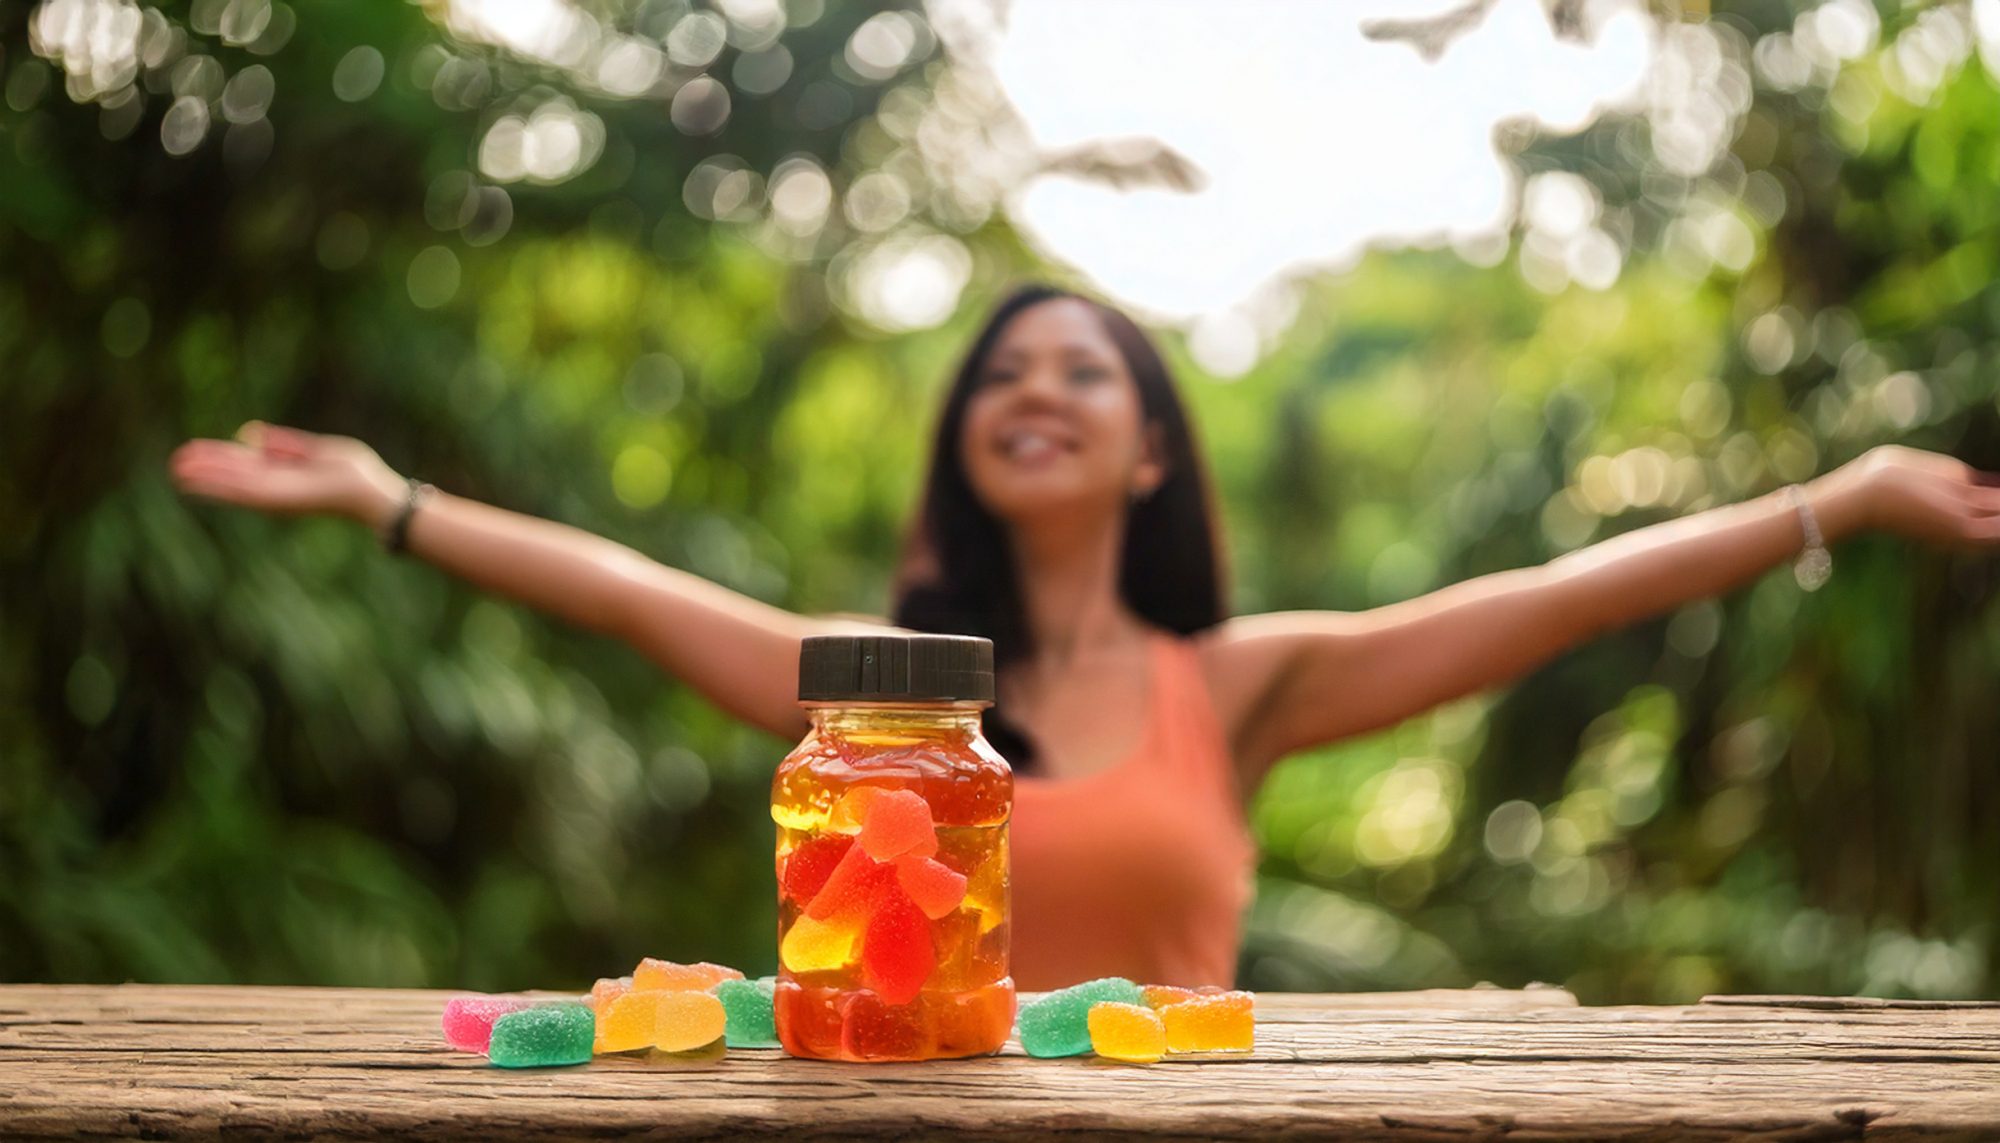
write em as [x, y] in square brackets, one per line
[1315, 140]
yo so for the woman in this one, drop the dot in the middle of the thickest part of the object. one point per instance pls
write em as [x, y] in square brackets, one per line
[1067, 517]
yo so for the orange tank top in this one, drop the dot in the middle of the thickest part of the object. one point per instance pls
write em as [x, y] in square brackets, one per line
[1142, 870]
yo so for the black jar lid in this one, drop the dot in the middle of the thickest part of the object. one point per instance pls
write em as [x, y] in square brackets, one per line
[896, 668]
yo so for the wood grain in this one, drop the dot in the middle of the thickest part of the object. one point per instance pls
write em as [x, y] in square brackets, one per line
[182, 1061]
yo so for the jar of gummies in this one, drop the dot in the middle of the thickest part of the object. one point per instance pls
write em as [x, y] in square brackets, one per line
[892, 854]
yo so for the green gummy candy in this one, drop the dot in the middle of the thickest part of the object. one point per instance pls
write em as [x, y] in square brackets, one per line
[1058, 1024]
[546, 1035]
[747, 1004]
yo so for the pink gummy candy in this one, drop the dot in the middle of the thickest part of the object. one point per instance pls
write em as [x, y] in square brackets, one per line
[899, 822]
[468, 1020]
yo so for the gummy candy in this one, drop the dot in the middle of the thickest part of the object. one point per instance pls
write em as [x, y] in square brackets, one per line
[1221, 1022]
[1058, 1023]
[626, 1023]
[876, 1028]
[685, 1021]
[607, 989]
[898, 822]
[808, 866]
[665, 975]
[468, 1020]
[852, 809]
[1131, 1032]
[1161, 995]
[545, 1035]
[751, 1021]
[818, 946]
[896, 952]
[850, 886]
[937, 888]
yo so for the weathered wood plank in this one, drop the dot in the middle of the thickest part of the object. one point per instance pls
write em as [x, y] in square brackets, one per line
[167, 1061]
[1843, 1003]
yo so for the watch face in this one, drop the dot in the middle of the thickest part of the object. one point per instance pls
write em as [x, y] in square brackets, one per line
[1814, 567]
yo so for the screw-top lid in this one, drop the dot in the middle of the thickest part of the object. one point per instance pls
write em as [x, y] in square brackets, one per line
[891, 668]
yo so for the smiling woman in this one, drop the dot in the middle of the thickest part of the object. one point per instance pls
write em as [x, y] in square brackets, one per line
[1067, 517]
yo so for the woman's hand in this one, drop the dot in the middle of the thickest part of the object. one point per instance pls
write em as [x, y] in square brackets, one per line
[1924, 495]
[290, 471]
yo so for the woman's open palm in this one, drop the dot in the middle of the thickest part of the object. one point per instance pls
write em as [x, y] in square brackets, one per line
[277, 469]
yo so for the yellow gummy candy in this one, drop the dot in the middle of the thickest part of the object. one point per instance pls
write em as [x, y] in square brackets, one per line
[816, 946]
[1129, 1032]
[625, 1022]
[684, 1021]
[1224, 1022]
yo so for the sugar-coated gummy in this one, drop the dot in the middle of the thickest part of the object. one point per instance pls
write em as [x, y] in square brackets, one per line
[898, 822]
[684, 1021]
[665, 975]
[936, 888]
[1130, 1032]
[751, 1021]
[625, 1023]
[807, 867]
[1058, 1023]
[1220, 1022]
[468, 1020]
[819, 946]
[897, 954]
[546, 1035]
[850, 887]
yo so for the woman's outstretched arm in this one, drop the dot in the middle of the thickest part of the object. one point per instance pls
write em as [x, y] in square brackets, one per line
[1317, 677]
[742, 654]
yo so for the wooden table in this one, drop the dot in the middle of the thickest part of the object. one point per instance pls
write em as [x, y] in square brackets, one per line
[163, 1062]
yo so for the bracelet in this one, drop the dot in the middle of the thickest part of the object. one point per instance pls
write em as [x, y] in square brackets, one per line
[396, 536]
[1815, 564]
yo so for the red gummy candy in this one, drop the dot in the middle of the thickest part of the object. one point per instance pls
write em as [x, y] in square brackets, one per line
[936, 888]
[896, 952]
[898, 823]
[850, 886]
[808, 867]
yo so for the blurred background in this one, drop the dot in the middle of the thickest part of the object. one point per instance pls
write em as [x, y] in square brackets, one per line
[1451, 288]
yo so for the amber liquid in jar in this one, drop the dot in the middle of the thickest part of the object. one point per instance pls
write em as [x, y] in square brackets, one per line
[892, 885]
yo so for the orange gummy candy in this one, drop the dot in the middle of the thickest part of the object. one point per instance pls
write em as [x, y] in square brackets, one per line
[1221, 1022]
[664, 975]
[937, 888]
[607, 989]
[1161, 995]
[1130, 1032]
[899, 822]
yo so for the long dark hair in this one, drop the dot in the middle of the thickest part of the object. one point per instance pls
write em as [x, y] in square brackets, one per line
[957, 570]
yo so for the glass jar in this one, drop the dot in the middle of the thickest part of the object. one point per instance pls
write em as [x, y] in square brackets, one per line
[893, 901]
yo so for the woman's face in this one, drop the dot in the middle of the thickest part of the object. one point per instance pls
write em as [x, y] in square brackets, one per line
[1055, 423]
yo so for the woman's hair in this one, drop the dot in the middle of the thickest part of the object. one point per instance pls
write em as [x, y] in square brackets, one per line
[957, 572]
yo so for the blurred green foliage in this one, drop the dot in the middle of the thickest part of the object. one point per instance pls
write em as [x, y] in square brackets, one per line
[240, 749]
